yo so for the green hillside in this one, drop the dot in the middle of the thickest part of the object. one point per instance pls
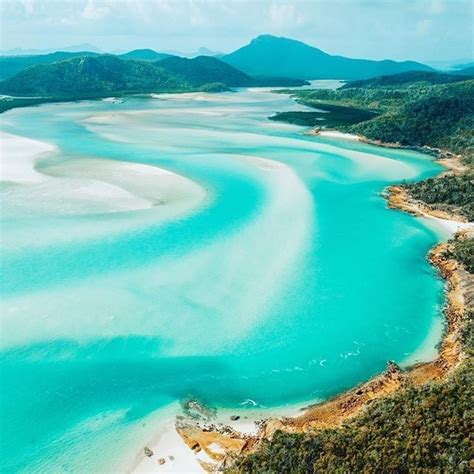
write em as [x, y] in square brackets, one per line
[11, 65]
[273, 56]
[95, 76]
[144, 55]
[204, 70]
[408, 78]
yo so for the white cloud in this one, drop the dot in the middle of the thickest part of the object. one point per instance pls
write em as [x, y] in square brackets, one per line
[29, 6]
[93, 11]
[437, 6]
[282, 15]
[423, 27]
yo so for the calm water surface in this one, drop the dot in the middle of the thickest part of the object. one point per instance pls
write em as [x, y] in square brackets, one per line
[290, 282]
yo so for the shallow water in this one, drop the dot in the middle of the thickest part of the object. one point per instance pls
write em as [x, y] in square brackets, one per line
[289, 282]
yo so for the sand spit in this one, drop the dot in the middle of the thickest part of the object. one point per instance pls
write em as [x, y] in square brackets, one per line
[85, 185]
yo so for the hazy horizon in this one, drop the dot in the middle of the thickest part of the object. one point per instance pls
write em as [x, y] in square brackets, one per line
[407, 30]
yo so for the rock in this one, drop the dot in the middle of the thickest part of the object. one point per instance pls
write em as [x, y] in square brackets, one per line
[392, 368]
[235, 417]
[161, 461]
[272, 425]
[148, 451]
[171, 458]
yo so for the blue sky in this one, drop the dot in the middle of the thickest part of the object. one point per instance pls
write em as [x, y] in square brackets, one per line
[399, 29]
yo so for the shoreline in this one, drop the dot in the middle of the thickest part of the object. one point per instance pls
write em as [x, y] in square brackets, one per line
[347, 405]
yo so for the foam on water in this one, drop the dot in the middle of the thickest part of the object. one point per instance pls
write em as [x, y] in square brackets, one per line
[270, 273]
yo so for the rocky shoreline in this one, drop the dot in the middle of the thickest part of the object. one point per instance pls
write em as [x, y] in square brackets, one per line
[221, 444]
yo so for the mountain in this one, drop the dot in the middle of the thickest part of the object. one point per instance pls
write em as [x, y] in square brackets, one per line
[273, 56]
[467, 71]
[77, 48]
[95, 76]
[468, 64]
[21, 52]
[144, 55]
[11, 65]
[408, 78]
[202, 51]
[91, 76]
[204, 70]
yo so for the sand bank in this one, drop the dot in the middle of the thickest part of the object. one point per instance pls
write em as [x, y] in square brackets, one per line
[19, 156]
[85, 185]
[336, 134]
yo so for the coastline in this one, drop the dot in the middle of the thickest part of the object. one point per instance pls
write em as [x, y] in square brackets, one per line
[347, 405]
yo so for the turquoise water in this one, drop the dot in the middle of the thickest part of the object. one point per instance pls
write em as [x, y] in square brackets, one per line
[291, 281]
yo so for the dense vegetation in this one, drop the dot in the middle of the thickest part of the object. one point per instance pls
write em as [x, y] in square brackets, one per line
[419, 429]
[337, 117]
[442, 118]
[423, 429]
[105, 74]
[203, 70]
[463, 251]
[11, 65]
[144, 55]
[273, 56]
[397, 80]
[450, 192]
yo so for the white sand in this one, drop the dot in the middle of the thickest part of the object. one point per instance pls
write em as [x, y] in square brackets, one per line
[18, 158]
[445, 227]
[452, 226]
[335, 134]
[85, 185]
[170, 447]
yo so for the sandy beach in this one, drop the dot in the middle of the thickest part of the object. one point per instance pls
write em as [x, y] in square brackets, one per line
[87, 185]
[19, 157]
[340, 135]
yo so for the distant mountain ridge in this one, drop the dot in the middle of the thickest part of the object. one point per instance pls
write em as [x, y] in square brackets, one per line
[144, 55]
[99, 75]
[11, 65]
[277, 56]
[265, 56]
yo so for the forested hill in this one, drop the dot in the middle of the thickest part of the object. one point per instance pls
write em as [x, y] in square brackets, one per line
[204, 70]
[11, 65]
[274, 56]
[97, 76]
[409, 78]
[426, 109]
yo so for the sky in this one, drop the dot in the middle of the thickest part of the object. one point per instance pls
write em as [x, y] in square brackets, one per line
[424, 30]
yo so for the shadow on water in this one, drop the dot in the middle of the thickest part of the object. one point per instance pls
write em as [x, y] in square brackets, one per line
[73, 382]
